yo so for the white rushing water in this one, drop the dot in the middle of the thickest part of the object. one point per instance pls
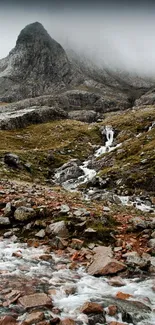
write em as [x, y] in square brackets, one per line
[109, 132]
[137, 203]
[53, 276]
[89, 173]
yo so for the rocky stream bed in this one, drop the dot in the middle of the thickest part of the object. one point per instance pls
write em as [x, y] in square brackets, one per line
[68, 259]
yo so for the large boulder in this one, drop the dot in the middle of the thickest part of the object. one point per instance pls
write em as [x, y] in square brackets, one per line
[103, 262]
[15, 118]
[69, 170]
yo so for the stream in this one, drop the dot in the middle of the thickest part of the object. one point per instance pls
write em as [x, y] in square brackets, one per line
[72, 287]
[22, 269]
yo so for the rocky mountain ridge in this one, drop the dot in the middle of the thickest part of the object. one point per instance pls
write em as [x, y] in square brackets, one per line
[39, 66]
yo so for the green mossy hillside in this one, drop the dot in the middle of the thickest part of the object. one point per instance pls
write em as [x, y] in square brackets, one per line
[47, 146]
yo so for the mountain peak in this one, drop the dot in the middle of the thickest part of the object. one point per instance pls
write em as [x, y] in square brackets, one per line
[37, 65]
[33, 32]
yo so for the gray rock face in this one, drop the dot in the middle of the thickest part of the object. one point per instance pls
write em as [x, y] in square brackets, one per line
[35, 66]
[15, 119]
[83, 115]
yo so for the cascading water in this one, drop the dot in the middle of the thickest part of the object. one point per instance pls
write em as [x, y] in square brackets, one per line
[88, 173]
[42, 275]
[109, 132]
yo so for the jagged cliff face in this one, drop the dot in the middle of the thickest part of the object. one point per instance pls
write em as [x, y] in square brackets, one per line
[37, 65]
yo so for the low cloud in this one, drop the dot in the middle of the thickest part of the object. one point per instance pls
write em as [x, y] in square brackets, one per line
[123, 39]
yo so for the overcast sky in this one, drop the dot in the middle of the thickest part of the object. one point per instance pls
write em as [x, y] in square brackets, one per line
[119, 33]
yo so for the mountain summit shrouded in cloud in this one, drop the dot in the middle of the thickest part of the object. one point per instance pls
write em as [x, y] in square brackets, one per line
[118, 34]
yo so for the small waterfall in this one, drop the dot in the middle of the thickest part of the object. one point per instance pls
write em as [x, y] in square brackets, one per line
[108, 131]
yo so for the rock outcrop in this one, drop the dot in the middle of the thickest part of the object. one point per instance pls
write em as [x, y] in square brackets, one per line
[37, 65]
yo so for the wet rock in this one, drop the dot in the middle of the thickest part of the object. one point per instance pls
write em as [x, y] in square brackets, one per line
[91, 308]
[112, 310]
[132, 311]
[133, 259]
[67, 321]
[103, 262]
[70, 170]
[8, 234]
[24, 213]
[116, 281]
[41, 233]
[58, 228]
[35, 300]
[4, 221]
[123, 296]
[8, 320]
[96, 319]
[12, 160]
[34, 317]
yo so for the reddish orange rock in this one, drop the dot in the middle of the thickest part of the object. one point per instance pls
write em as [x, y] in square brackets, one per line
[112, 310]
[7, 320]
[34, 317]
[123, 296]
[91, 307]
[67, 321]
[35, 300]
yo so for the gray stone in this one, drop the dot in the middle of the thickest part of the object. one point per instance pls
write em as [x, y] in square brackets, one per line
[139, 223]
[8, 234]
[8, 210]
[35, 300]
[153, 235]
[4, 221]
[24, 213]
[12, 160]
[151, 244]
[58, 228]
[134, 259]
[41, 233]
[70, 170]
[81, 212]
[64, 208]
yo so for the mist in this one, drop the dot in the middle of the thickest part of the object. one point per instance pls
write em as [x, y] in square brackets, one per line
[119, 38]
